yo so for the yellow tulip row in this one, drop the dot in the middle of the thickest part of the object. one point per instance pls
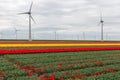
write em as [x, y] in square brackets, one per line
[53, 45]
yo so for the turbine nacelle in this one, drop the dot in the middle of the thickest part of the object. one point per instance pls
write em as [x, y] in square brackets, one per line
[102, 21]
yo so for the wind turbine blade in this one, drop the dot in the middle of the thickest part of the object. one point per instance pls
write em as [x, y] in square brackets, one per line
[31, 7]
[101, 17]
[32, 19]
[99, 23]
[24, 13]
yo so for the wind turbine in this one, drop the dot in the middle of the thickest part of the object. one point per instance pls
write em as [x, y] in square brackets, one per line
[101, 23]
[84, 36]
[30, 18]
[16, 32]
[55, 35]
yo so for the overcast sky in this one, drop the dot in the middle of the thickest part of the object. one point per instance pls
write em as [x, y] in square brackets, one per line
[69, 18]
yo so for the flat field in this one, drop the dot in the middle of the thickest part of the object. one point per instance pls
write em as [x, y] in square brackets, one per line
[95, 65]
[71, 65]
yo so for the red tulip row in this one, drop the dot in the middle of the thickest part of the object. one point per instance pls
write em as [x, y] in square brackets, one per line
[28, 51]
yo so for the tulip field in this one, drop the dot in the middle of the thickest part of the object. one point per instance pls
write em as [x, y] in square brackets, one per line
[71, 61]
[102, 65]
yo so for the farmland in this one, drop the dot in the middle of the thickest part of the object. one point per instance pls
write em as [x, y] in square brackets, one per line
[62, 66]
[60, 62]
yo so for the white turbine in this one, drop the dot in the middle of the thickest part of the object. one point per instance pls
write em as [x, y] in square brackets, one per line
[101, 23]
[55, 35]
[30, 17]
[84, 36]
[16, 32]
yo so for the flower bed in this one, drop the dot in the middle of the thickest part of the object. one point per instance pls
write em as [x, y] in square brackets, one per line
[97, 65]
[28, 51]
[59, 45]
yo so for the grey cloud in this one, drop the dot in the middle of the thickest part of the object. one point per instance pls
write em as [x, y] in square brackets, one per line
[71, 17]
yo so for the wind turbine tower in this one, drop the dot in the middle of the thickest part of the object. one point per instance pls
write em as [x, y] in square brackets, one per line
[55, 35]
